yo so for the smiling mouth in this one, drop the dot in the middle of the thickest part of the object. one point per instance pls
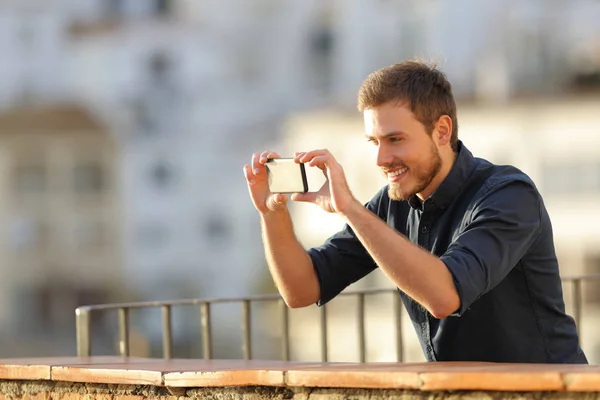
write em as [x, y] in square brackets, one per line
[396, 174]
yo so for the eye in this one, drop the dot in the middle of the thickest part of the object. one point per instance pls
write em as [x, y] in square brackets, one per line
[372, 140]
[395, 139]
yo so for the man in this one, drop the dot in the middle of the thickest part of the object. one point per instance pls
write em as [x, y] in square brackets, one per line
[468, 244]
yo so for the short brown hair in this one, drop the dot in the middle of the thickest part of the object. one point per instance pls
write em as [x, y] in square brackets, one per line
[422, 85]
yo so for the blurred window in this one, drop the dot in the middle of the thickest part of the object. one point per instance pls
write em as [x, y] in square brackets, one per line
[162, 175]
[321, 51]
[163, 7]
[216, 228]
[156, 107]
[113, 8]
[30, 179]
[89, 178]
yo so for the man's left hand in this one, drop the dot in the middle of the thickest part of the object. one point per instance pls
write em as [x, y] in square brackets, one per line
[335, 195]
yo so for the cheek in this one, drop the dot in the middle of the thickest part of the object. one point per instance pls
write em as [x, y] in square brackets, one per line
[418, 154]
[408, 154]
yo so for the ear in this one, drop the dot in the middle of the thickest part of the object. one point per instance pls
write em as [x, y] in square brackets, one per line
[443, 129]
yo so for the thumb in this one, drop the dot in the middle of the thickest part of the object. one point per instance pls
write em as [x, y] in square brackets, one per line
[309, 197]
[277, 200]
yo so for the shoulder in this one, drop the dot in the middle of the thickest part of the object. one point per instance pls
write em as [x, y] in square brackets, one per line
[506, 184]
[497, 177]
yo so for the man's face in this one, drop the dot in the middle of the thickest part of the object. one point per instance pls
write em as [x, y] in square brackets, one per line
[406, 153]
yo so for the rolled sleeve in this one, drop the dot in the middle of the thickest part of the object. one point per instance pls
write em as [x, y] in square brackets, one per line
[339, 262]
[502, 227]
[342, 259]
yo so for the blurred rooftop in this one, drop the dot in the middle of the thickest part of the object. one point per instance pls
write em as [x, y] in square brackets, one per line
[54, 118]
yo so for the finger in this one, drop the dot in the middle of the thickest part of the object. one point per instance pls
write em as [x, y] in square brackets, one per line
[309, 197]
[277, 200]
[298, 155]
[263, 157]
[255, 163]
[320, 162]
[314, 153]
[248, 174]
[280, 198]
[266, 155]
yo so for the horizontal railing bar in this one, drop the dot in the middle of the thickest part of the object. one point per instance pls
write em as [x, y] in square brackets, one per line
[195, 302]
[581, 277]
[263, 297]
[183, 302]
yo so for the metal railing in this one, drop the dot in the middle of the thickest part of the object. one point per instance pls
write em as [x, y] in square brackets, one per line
[84, 315]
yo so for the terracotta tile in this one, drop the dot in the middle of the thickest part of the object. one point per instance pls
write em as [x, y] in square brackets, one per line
[151, 371]
[127, 370]
[41, 368]
[583, 379]
[224, 378]
[504, 377]
[198, 373]
[25, 372]
[357, 378]
[368, 375]
[52, 361]
[115, 373]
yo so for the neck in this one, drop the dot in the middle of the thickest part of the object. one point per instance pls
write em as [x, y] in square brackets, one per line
[447, 163]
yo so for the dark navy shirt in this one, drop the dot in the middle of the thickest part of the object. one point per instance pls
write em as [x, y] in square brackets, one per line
[490, 227]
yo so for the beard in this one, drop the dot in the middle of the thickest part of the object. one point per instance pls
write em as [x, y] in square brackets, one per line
[422, 175]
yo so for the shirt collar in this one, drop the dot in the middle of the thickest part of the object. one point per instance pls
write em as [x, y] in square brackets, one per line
[456, 179]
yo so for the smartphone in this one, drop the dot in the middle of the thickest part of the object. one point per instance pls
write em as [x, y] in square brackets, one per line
[286, 176]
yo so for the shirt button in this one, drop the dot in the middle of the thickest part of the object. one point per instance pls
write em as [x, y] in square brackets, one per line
[425, 229]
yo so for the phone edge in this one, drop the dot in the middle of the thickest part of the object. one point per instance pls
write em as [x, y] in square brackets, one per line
[304, 179]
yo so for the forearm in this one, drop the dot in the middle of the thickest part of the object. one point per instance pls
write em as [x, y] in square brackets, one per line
[289, 263]
[419, 274]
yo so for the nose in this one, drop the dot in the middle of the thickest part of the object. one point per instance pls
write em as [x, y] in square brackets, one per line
[383, 156]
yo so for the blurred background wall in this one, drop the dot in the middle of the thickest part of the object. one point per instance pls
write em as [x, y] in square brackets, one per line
[124, 125]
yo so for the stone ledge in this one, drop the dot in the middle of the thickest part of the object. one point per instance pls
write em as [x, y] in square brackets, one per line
[179, 375]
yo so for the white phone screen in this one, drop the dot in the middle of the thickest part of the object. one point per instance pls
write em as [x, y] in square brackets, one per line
[286, 176]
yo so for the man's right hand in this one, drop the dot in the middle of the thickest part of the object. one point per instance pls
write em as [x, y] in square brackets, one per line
[258, 184]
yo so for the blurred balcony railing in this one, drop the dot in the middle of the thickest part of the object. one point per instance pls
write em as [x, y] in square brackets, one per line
[84, 315]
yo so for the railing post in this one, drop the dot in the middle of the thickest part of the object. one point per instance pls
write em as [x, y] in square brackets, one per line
[124, 332]
[166, 332]
[323, 333]
[206, 331]
[361, 327]
[246, 330]
[577, 300]
[84, 340]
[398, 320]
[285, 331]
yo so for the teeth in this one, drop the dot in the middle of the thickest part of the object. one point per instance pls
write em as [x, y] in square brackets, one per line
[396, 173]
